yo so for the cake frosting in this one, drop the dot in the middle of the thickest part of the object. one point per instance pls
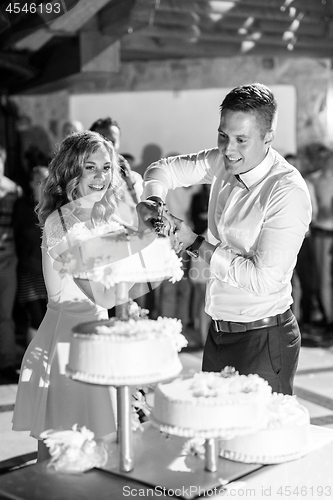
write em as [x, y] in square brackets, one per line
[132, 352]
[211, 404]
[285, 437]
[111, 254]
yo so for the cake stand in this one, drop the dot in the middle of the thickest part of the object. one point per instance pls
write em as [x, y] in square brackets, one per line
[211, 448]
[124, 393]
[124, 396]
[142, 250]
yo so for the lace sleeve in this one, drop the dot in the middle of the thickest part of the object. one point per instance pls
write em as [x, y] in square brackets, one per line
[54, 229]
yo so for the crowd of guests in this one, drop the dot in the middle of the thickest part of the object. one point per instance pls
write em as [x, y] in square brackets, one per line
[313, 277]
[22, 283]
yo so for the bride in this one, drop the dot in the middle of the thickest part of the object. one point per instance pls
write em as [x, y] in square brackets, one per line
[83, 184]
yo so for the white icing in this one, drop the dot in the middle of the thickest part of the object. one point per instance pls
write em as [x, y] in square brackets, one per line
[127, 331]
[210, 405]
[285, 436]
[114, 352]
[209, 385]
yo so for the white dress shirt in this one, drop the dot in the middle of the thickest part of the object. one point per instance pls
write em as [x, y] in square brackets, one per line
[259, 224]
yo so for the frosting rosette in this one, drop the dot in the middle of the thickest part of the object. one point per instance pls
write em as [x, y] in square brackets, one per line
[74, 450]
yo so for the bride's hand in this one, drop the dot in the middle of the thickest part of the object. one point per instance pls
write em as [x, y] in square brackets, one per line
[181, 231]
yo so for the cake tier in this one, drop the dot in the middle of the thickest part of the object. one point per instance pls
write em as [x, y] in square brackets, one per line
[114, 352]
[209, 405]
[120, 256]
[286, 436]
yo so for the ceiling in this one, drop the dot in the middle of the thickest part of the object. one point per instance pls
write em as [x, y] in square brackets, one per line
[68, 37]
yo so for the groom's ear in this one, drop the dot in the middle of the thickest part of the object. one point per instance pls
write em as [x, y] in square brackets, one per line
[269, 137]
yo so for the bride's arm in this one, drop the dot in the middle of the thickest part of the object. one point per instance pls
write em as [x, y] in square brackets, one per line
[58, 242]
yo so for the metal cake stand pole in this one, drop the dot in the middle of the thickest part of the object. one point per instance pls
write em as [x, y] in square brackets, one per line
[124, 395]
[210, 455]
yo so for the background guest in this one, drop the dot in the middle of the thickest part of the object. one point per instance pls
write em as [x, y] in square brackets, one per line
[132, 181]
[31, 292]
[322, 227]
[10, 192]
[199, 269]
[174, 299]
[71, 127]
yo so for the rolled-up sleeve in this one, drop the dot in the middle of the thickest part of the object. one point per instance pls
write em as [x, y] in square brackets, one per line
[178, 171]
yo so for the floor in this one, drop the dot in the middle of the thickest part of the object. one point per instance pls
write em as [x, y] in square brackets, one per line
[313, 386]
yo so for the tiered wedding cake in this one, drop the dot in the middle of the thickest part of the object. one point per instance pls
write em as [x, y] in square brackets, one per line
[210, 405]
[111, 254]
[132, 350]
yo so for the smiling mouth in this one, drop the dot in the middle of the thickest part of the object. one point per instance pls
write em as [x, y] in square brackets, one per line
[96, 187]
[232, 160]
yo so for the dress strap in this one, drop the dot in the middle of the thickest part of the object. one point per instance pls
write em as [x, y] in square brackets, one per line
[62, 220]
[63, 223]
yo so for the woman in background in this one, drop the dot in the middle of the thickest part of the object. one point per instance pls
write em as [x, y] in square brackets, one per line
[31, 291]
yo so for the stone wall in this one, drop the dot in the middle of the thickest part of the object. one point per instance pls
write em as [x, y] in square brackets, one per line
[310, 77]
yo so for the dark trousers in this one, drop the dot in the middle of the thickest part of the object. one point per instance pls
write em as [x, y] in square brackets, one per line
[271, 352]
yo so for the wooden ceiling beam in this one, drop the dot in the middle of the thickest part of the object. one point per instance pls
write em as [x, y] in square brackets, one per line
[70, 22]
[315, 30]
[261, 12]
[313, 6]
[116, 16]
[136, 48]
[275, 26]
[231, 37]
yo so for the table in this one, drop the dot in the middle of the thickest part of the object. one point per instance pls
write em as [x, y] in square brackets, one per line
[307, 478]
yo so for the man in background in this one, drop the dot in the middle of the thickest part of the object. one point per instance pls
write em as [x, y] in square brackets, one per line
[133, 188]
[9, 193]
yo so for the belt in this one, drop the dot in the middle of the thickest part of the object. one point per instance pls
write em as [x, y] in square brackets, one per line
[232, 327]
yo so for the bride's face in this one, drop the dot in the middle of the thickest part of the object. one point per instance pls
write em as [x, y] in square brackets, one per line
[96, 176]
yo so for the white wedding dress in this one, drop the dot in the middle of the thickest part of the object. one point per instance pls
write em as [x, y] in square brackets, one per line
[46, 397]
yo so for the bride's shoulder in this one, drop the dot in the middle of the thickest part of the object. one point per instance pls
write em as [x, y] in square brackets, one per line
[57, 224]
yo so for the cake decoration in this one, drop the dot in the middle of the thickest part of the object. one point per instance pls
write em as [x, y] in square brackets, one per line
[74, 450]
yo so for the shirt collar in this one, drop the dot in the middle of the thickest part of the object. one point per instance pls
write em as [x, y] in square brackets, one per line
[259, 172]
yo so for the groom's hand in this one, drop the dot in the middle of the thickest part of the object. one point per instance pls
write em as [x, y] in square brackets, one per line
[147, 213]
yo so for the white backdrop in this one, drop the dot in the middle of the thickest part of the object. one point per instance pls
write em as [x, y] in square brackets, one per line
[183, 121]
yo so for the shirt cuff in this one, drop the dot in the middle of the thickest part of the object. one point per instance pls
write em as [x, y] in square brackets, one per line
[154, 188]
[220, 263]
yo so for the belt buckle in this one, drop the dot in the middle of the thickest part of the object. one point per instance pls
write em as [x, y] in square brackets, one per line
[216, 324]
[237, 327]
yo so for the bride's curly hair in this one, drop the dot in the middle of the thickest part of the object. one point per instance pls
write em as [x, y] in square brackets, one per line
[65, 171]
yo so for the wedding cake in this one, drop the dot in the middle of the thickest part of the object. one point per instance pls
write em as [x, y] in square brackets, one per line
[285, 437]
[211, 404]
[111, 253]
[129, 350]
[132, 352]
